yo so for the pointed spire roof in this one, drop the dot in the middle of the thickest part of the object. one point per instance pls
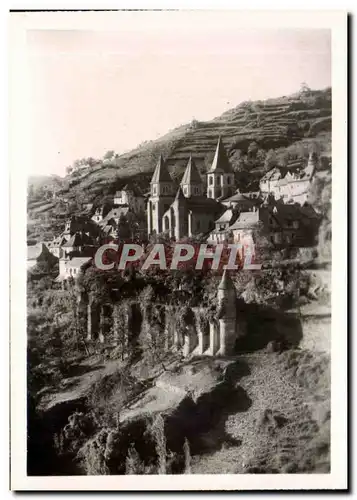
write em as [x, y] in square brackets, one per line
[220, 161]
[179, 195]
[161, 173]
[311, 164]
[191, 175]
[226, 282]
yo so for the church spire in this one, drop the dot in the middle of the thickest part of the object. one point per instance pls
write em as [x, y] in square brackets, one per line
[161, 173]
[220, 177]
[220, 162]
[226, 282]
[191, 181]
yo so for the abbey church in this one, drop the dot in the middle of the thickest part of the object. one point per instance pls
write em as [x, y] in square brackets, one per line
[192, 209]
[216, 208]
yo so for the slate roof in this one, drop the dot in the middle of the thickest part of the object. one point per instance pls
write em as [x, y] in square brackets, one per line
[226, 282]
[191, 175]
[220, 162]
[180, 196]
[115, 213]
[57, 242]
[77, 240]
[246, 220]
[161, 173]
[209, 205]
[273, 175]
[240, 197]
[226, 216]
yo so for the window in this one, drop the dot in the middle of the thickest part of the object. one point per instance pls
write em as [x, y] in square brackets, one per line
[154, 208]
[154, 190]
[196, 190]
[74, 271]
[210, 194]
[218, 179]
[210, 180]
[185, 190]
[228, 180]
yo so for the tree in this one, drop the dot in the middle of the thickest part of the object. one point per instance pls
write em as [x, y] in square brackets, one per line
[270, 160]
[109, 155]
[252, 149]
[124, 230]
[304, 88]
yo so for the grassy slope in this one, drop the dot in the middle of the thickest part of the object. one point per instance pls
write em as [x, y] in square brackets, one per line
[266, 122]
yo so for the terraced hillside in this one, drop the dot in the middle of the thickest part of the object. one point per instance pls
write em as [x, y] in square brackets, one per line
[278, 124]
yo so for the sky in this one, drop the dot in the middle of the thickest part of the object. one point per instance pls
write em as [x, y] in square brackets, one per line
[97, 90]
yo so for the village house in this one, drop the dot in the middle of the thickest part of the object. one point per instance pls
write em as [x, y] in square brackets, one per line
[78, 243]
[55, 246]
[79, 232]
[130, 197]
[98, 215]
[71, 268]
[244, 202]
[293, 186]
[222, 231]
[281, 225]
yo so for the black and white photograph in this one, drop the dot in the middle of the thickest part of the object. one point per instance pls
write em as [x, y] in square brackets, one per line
[177, 313]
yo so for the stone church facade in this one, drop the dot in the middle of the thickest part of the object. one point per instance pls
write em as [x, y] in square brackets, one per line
[191, 208]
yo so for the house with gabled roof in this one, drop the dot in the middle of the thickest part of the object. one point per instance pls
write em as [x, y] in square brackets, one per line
[71, 268]
[294, 185]
[221, 232]
[129, 196]
[282, 225]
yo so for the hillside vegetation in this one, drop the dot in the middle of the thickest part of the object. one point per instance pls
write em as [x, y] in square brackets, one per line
[256, 134]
